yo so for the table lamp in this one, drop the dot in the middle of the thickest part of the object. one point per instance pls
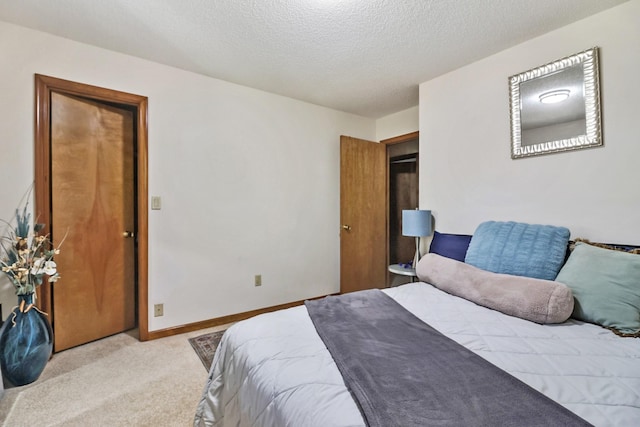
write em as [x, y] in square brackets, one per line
[416, 223]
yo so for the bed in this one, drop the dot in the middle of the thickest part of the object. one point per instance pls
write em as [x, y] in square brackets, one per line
[275, 370]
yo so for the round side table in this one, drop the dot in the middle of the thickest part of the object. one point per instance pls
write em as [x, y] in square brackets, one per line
[403, 271]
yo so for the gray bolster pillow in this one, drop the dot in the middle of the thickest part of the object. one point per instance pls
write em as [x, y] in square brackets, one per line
[537, 300]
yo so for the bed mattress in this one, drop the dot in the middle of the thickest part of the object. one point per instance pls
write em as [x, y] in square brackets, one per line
[274, 370]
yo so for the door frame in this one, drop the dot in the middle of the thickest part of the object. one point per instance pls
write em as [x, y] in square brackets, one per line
[401, 138]
[44, 85]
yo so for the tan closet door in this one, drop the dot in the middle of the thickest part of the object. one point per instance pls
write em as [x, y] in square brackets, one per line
[363, 214]
[92, 196]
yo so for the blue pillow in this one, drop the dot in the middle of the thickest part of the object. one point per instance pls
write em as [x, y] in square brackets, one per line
[452, 246]
[520, 249]
[605, 285]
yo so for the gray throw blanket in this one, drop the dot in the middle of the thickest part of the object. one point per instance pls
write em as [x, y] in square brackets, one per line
[402, 372]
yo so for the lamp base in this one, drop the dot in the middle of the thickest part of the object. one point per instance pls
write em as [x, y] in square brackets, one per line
[416, 257]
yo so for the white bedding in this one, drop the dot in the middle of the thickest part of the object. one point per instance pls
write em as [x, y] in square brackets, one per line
[274, 370]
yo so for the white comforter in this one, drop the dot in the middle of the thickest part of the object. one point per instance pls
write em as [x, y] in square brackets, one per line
[274, 370]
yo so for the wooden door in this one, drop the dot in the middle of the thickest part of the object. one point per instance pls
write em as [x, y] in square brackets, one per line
[92, 201]
[363, 214]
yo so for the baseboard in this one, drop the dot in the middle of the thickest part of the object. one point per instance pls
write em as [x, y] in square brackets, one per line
[190, 327]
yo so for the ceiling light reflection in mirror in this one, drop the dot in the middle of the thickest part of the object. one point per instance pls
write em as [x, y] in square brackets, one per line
[554, 96]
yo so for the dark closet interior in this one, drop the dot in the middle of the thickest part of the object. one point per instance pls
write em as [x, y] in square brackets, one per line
[403, 194]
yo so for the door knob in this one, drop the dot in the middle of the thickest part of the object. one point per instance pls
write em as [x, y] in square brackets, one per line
[346, 227]
[127, 234]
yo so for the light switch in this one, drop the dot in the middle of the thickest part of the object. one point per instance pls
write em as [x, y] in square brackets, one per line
[156, 203]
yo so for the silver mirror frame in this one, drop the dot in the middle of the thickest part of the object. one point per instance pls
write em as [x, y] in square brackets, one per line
[593, 136]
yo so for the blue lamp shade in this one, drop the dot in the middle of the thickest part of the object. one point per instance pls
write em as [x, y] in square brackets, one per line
[416, 223]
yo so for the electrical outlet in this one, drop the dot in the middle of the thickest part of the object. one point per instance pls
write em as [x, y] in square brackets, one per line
[258, 280]
[158, 310]
[156, 203]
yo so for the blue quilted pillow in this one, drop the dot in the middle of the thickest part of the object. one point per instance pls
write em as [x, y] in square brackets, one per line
[520, 249]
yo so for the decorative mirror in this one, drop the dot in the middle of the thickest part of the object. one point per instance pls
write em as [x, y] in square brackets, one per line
[556, 107]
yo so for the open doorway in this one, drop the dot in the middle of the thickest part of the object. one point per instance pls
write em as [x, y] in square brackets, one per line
[403, 191]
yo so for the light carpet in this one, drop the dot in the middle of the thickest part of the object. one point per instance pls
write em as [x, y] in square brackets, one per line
[116, 381]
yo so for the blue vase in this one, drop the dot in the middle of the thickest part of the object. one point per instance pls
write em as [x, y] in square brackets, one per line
[26, 346]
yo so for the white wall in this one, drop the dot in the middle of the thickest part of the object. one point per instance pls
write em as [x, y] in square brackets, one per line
[467, 175]
[397, 124]
[249, 180]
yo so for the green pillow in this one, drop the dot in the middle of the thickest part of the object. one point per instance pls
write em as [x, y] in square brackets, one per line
[606, 287]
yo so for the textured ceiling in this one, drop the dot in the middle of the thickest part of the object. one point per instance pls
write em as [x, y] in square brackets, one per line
[361, 56]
